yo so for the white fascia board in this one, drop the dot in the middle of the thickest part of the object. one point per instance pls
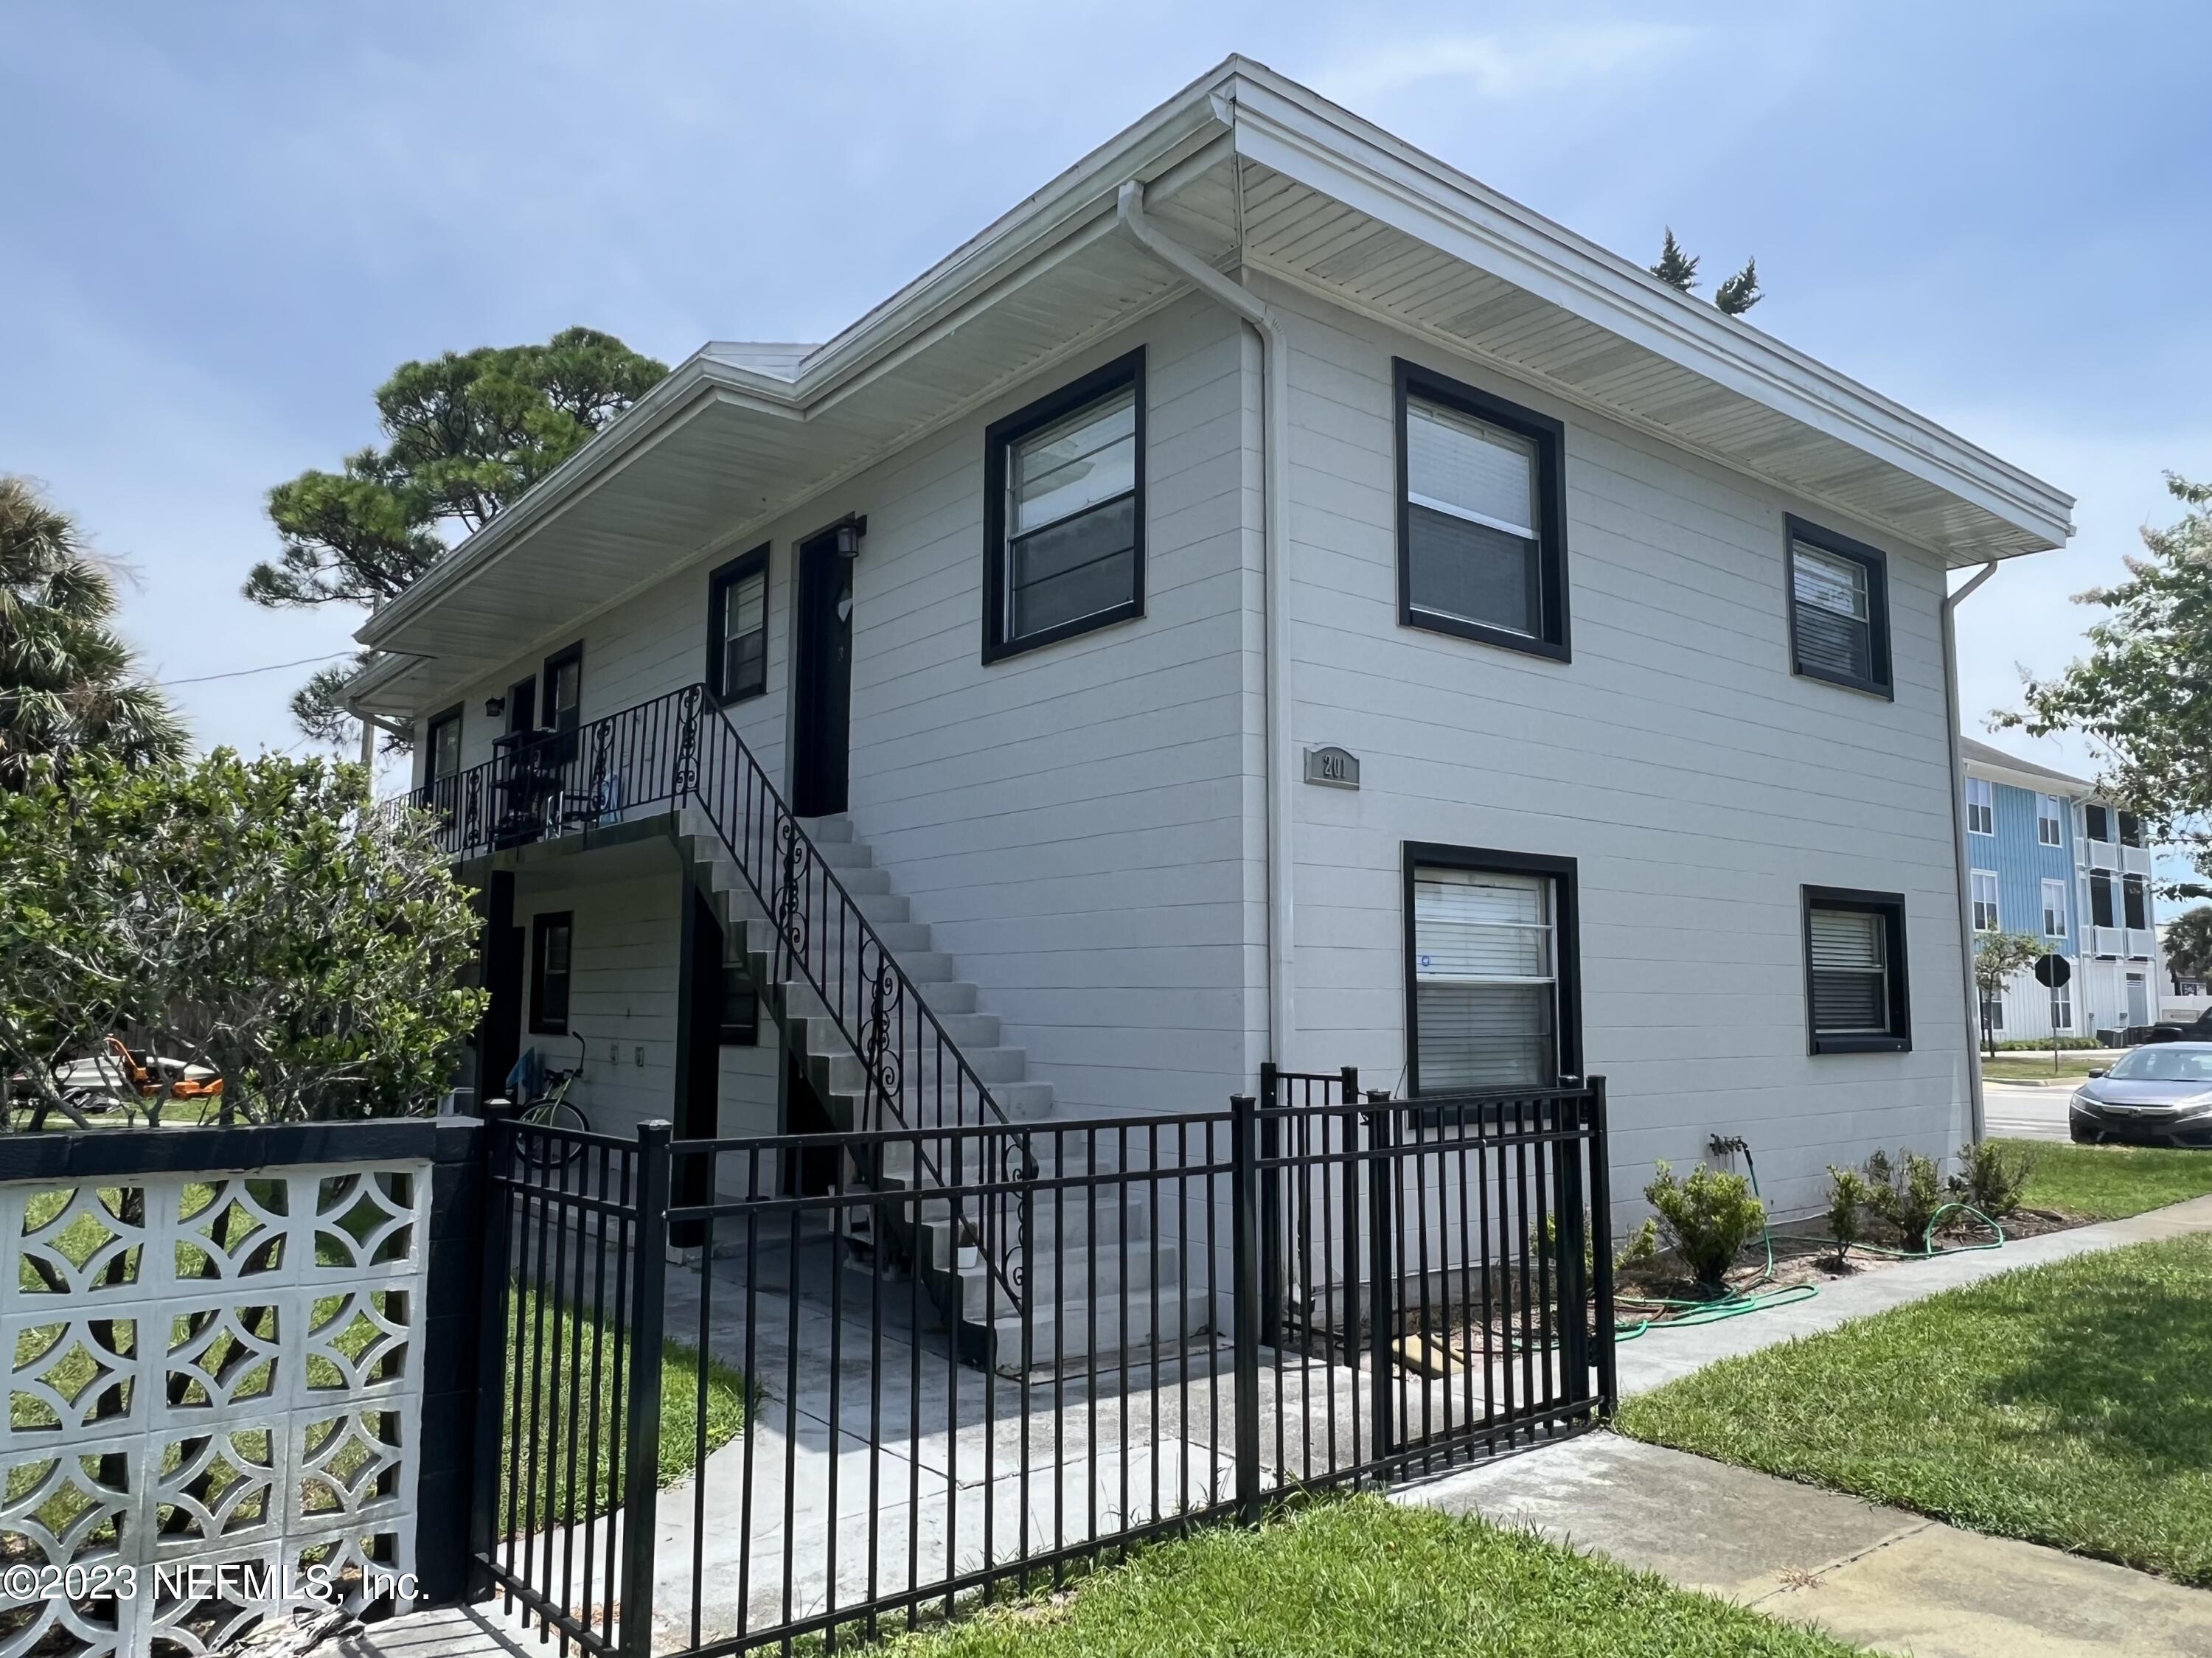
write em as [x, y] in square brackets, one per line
[1287, 129]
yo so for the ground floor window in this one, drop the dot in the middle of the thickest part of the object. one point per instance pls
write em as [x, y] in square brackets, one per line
[2062, 1008]
[552, 941]
[1490, 970]
[1855, 984]
[1993, 1015]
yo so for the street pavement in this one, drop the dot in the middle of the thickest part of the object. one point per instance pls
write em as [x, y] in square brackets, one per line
[2029, 1111]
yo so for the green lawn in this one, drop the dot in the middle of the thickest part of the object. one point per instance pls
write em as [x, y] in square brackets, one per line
[559, 1352]
[2036, 1067]
[1359, 1577]
[2069, 1404]
[2107, 1182]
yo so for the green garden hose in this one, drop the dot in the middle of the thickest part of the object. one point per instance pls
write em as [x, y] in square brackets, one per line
[1750, 1298]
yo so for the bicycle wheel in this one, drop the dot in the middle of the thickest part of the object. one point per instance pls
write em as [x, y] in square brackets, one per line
[551, 1150]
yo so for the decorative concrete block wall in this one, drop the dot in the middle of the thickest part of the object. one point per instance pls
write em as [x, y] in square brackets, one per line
[214, 1398]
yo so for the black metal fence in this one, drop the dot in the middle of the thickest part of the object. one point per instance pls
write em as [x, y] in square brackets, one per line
[1216, 1310]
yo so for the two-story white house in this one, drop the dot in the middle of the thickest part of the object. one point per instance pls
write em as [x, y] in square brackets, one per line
[1268, 597]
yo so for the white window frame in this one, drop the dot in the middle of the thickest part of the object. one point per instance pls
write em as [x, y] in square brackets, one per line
[2051, 884]
[1993, 904]
[1555, 878]
[2049, 825]
[1981, 806]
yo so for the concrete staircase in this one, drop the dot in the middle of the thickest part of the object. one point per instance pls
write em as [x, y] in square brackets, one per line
[1063, 1283]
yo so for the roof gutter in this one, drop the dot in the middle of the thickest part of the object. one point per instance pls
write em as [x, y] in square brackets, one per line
[1978, 1118]
[1274, 378]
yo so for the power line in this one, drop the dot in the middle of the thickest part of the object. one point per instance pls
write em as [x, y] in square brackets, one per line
[241, 673]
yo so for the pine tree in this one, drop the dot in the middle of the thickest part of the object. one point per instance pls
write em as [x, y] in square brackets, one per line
[1740, 292]
[1675, 268]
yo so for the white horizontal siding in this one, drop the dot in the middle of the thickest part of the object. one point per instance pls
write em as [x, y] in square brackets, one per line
[1697, 781]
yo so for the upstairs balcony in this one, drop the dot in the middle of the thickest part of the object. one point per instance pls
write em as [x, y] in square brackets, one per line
[2116, 857]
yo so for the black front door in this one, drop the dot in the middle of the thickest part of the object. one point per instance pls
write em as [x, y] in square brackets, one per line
[822, 719]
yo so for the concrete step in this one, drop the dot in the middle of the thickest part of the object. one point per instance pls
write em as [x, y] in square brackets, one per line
[1066, 1283]
[990, 1065]
[1059, 1336]
[828, 831]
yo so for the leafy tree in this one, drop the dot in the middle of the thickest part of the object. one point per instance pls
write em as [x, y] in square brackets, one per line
[1998, 958]
[68, 684]
[2144, 692]
[467, 434]
[250, 916]
[1678, 269]
[2188, 944]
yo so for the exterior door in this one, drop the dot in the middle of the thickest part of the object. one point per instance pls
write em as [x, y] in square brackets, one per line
[823, 679]
[2138, 1000]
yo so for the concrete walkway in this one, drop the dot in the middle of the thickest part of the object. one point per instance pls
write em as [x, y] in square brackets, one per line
[1879, 1576]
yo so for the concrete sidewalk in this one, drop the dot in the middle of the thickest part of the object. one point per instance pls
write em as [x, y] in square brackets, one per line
[1882, 1577]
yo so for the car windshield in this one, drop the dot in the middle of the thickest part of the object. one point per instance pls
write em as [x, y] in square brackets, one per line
[2164, 1065]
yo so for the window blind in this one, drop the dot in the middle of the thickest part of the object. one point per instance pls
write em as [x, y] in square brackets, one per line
[1851, 979]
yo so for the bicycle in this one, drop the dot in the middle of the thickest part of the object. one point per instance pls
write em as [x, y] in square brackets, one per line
[550, 1109]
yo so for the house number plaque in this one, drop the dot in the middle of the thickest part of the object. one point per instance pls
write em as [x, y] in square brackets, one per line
[1333, 768]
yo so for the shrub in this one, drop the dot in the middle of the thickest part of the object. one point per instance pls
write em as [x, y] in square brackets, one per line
[1991, 1177]
[1848, 1196]
[1641, 1245]
[1906, 1195]
[2043, 1044]
[1706, 1219]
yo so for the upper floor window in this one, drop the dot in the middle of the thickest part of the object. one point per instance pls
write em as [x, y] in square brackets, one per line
[2130, 829]
[1839, 609]
[1981, 806]
[2098, 821]
[1063, 513]
[1489, 991]
[737, 628]
[2048, 820]
[563, 702]
[1985, 902]
[2054, 909]
[1481, 511]
[1855, 982]
[442, 746]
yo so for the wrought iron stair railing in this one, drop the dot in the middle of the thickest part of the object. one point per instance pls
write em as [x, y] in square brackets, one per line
[678, 750]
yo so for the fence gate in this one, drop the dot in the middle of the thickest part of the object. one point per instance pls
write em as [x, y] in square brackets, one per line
[570, 1407]
[1453, 1253]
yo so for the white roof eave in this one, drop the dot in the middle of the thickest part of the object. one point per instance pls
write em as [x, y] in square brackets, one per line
[1292, 130]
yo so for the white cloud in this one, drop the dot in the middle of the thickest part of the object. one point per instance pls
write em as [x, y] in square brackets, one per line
[1506, 66]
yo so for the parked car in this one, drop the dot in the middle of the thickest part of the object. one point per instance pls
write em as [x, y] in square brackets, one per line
[2159, 1095]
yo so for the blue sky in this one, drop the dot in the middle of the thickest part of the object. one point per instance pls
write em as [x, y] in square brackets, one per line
[227, 223]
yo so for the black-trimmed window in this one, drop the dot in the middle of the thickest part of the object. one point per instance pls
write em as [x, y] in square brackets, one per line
[442, 746]
[1064, 511]
[552, 968]
[2098, 822]
[1491, 967]
[1481, 516]
[1855, 996]
[2101, 899]
[737, 628]
[1839, 609]
[2130, 829]
[740, 1000]
[2134, 901]
[561, 699]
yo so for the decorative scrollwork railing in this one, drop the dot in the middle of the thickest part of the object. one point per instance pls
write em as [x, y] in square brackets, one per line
[678, 750]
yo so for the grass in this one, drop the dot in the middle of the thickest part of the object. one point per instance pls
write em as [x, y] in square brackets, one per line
[2109, 1182]
[543, 1381]
[2069, 1404]
[1360, 1576]
[2036, 1067]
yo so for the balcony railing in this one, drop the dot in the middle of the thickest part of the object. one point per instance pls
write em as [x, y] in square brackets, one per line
[678, 750]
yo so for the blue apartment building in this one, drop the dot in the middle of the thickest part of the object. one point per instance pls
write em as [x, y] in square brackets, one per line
[2046, 855]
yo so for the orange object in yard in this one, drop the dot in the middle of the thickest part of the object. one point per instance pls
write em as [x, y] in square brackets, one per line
[148, 1085]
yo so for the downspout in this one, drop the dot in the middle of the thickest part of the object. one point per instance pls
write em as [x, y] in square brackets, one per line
[1274, 377]
[1977, 1119]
